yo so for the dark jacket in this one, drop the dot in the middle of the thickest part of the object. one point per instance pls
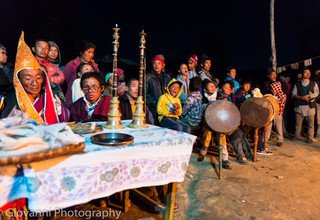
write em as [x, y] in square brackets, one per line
[6, 86]
[78, 110]
[125, 108]
[9, 103]
[156, 86]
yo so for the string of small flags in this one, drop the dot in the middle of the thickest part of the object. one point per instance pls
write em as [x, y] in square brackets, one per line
[295, 66]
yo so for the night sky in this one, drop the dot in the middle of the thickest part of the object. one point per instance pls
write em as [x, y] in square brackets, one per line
[232, 32]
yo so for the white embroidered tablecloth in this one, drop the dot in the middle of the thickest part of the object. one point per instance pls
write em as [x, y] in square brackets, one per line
[158, 156]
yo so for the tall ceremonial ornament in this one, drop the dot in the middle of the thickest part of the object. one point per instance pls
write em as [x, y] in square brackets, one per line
[114, 115]
[139, 116]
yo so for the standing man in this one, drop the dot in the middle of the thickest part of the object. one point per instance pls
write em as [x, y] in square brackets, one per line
[275, 88]
[304, 94]
[157, 82]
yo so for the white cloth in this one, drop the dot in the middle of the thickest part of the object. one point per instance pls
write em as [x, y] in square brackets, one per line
[77, 92]
[29, 138]
[62, 182]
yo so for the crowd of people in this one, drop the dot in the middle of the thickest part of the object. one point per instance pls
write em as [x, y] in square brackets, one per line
[47, 92]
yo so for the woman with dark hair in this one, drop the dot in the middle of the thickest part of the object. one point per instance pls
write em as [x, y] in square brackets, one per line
[93, 106]
[86, 50]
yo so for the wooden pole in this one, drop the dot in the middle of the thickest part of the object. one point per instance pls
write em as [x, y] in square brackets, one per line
[273, 41]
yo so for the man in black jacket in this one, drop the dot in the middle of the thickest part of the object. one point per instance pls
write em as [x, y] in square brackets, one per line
[128, 101]
[157, 81]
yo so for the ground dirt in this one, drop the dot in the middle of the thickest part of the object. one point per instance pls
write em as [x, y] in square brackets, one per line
[285, 185]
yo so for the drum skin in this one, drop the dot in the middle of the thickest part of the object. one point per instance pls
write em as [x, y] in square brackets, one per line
[275, 104]
[256, 112]
[222, 116]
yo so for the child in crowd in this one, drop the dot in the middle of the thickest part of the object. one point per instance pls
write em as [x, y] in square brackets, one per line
[184, 78]
[76, 88]
[122, 88]
[192, 65]
[169, 108]
[109, 82]
[243, 93]
[192, 111]
[231, 75]
[210, 91]
[205, 73]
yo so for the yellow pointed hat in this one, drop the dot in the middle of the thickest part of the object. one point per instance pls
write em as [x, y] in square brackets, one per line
[25, 60]
[24, 57]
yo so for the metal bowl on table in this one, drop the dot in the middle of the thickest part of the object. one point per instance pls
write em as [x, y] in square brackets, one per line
[112, 139]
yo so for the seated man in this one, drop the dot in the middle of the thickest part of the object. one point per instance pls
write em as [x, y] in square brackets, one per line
[169, 108]
[128, 101]
[33, 94]
[93, 106]
[237, 138]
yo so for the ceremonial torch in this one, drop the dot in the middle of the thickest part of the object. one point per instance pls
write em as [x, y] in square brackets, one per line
[139, 116]
[114, 115]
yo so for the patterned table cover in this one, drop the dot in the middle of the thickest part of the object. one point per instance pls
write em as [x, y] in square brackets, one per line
[158, 156]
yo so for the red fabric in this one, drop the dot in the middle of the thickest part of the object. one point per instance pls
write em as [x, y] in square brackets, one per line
[158, 58]
[78, 110]
[54, 72]
[46, 104]
[18, 204]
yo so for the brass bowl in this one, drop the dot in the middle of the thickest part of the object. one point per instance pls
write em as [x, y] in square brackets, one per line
[112, 139]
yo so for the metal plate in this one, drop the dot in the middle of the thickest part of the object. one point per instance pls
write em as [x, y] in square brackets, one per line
[112, 139]
[98, 128]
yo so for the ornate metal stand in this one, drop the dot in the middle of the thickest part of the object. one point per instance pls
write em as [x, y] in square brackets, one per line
[139, 116]
[114, 115]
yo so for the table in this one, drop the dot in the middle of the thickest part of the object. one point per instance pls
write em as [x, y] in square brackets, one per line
[158, 156]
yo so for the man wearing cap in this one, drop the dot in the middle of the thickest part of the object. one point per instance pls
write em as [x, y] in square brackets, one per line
[192, 66]
[157, 82]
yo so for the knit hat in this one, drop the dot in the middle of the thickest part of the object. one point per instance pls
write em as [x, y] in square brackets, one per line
[193, 58]
[119, 71]
[158, 57]
[108, 76]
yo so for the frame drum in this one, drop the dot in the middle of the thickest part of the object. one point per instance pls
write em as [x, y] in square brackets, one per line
[222, 116]
[275, 104]
[256, 112]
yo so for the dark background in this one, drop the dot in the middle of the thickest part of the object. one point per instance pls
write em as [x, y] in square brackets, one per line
[232, 32]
